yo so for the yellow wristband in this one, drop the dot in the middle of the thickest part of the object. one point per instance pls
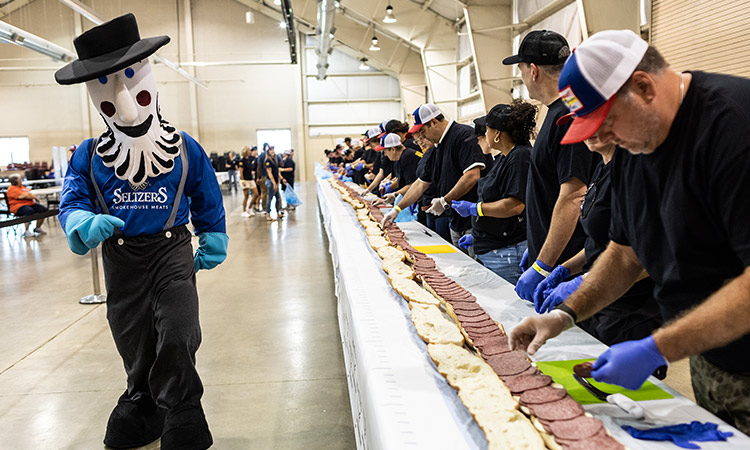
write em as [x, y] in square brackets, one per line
[396, 208]
[541, 271]
[479, 209]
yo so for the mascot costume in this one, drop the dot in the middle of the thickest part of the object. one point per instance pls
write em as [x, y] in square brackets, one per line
[134, 189]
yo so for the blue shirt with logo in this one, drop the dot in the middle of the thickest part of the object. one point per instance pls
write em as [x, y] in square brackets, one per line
[145, 211]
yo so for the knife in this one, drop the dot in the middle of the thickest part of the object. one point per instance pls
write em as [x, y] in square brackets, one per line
[626, 404]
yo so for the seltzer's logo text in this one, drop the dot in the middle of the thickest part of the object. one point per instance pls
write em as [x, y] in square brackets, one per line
[571, 101]
[140, 199]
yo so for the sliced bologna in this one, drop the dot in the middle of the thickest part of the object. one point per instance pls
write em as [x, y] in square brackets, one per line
[523, 383]
[598, 442]
[494, 349]
[473, 319]
[564, 409]
[581, 427]
[544, 394]
[510, 363]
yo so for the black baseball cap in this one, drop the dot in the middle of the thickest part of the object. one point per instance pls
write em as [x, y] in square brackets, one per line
[479, 129]
[541, 47]
[497, 118]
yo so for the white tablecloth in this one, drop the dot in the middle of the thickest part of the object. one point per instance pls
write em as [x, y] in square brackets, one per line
[398, 398]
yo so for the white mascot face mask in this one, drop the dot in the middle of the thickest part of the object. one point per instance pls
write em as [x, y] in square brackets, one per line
[138, 143]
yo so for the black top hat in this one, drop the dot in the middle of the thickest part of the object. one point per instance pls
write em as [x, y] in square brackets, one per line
[107, 48]
[541, 47]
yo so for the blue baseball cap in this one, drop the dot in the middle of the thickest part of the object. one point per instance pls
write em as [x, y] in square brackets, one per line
[422, 115]
[593, 74]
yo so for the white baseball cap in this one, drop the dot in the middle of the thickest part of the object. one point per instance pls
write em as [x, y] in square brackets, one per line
[422, 115]
[390, 140]
[593, 74]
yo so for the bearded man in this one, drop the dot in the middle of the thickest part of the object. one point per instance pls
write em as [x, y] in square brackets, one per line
[134, 189]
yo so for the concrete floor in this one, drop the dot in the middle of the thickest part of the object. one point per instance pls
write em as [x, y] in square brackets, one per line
[271, 357]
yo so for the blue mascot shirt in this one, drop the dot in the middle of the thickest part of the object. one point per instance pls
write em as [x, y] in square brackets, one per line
[145, 211]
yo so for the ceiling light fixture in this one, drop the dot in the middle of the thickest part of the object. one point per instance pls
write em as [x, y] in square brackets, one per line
[249, 17]
[389, 17]
[364, 65]
[374, 47]
[282, 25]
[277, 2]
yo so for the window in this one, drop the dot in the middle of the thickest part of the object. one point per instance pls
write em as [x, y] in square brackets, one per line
[280, 139]
[14, 150]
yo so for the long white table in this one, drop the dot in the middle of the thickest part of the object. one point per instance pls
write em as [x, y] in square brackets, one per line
[398, 398]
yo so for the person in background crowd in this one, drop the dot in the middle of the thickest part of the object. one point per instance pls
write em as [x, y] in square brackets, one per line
[635, 315]
[679, 212]
[455, 165]
[22, 202]
[271, 167]
[405, 162]
[288, 167]
[498, 221]
[247, 179]
[261, 174]
[348, 142]
[231, 166]
[558, 173]
[438, 224]
[368, 159]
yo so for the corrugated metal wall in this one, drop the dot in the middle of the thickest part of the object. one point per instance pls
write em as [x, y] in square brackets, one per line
[710, 35]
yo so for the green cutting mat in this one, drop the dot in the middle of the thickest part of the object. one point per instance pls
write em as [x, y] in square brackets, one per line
[562, 373]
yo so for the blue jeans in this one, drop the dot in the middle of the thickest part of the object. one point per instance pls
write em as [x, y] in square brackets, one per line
[271, 195]
[440, 225]
[505, 261]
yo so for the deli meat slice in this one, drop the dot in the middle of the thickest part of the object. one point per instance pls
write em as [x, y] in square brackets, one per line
[598, 442]
[564, 409]
[473, 319]
[523, 383]
[581, 427]
[544, 394]
[509, 363]
[494, 349]
[469, 312]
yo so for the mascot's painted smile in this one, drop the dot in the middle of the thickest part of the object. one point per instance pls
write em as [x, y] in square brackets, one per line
[138, 130]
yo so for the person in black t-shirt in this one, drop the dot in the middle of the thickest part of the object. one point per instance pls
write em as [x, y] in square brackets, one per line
[679, 211]
[231, 166]
[247, 179]
[454, 166]
[558, 173]
[635, 314]
[498, 221]
[287, 168]
[271, 167]
[405, 161]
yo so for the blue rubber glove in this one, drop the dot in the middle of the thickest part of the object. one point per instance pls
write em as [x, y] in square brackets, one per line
[85, 230]
[347, 166]
[464, 208]
[530, 280]
[349, 172]
[388, 189]
[544, 288]
[681, 434]
[628, 363]
[559, 294]
[345, 179]
[524, 260]
[466, 241]
[359, 167]
[212, 250]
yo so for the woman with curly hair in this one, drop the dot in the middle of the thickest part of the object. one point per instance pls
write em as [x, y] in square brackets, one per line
[499, 220]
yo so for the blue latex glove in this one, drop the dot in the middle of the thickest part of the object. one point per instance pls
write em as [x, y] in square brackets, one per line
[332, 167]
[347, 166]
[544, 288]
[559, 294]
[359, 167]
[628, 363]
[524, 260]
[212, 250]
[530, 280]
[349, 172]
[464, 208]
[681, 434]
[466, 241]
[345, 179]
[85, 230]
[388, 189]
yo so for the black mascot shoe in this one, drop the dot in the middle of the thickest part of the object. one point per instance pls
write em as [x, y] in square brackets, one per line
[186, 429]
[134, 424]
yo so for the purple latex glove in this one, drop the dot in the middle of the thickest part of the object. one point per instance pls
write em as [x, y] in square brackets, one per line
[464, 208]
[628, 364]
[530, 280]
[681, 434]
[544, 288]
[466, 241]
[560, 293]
